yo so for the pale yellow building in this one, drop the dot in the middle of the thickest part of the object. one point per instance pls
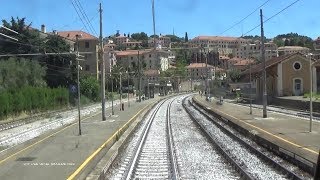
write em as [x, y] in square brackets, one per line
[88, 47]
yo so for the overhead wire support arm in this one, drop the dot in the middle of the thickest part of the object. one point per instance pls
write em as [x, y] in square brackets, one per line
[9, 37]
[8, 29]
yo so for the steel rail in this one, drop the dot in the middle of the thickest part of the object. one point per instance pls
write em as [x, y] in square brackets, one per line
[241, 170]
[256, 151]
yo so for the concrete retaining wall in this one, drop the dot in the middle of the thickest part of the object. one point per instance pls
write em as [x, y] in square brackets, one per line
[296, 104]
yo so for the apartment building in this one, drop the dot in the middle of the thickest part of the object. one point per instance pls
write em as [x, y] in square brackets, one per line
[248, 51]
[121, 40]
[223, 45]
[199, 70]
[292, 50]
[161, 42]
[109, 58]
[88, 47]
[149, 59]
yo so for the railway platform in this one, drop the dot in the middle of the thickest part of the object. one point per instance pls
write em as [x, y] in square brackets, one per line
[289, 134]
[63, 154]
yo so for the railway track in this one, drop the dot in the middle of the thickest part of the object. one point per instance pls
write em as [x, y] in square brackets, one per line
[283, 110]
[250, 161]
[153, 156]
[173, 148]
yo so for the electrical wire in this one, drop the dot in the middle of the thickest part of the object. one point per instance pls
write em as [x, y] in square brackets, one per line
[273, 16]
[244, 17]
[79, 15]
[84, 14]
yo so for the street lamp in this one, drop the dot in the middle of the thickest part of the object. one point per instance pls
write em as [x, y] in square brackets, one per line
[139, 66]
[78, 81]
[311, 78]
[128, 87]
[112, 111]
[120, 82]
[250, 86]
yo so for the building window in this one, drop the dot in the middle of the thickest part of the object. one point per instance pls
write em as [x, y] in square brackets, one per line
[131, 58]
[87, 68]
[149, 55]
[297, 66]
[86, 44]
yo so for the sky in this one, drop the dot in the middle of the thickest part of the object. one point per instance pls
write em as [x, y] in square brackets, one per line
[197, 17]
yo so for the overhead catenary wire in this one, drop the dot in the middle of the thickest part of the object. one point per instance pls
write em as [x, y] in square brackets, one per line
[84, 14]
[272, 16]
[74, 6]
[245, 17]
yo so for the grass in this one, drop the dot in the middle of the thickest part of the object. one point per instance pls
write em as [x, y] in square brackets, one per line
[314, 95]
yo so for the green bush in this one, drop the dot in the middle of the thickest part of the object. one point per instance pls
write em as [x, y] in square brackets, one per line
[90, 87]
[314, 95]
[124, 96]
[29, 99]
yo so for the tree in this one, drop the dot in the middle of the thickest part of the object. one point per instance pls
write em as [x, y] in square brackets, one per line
[118, 33]
[186, 39]
[16, 73]
[286, 42]
[234, 75]
[139, 36]
[152, 36]
[29, 40]
[230, 55]
[294, 39]
[174, 38]
[61, 69]
[90, 87]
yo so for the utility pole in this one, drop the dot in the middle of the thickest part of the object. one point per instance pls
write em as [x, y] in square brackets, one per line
[112, 111]
[311, 109]
[103, 76]
[154, 25]
[78, 82]
[128, 88]
[191, 83]
[120, 92]
[148, 90]
[139, 76]
[264, 75]
[250, 89]
[208, 81]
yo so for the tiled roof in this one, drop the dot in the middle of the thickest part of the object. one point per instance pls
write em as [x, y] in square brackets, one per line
[151, 72]
[72, 35]
[244, 62]
[133, 42]
[236, 60]
[217, 38]
[293, 47]
[132, 52]
[219, 69]
[118, 37]
[259, 67]
[198, 65]
[224, 57]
